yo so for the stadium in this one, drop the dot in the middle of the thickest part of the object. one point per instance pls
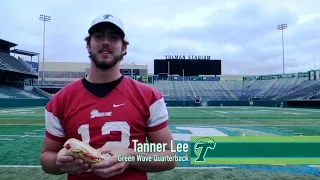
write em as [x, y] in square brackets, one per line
[201, 101]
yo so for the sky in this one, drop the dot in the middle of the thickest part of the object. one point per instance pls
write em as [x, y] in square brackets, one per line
[241, 33]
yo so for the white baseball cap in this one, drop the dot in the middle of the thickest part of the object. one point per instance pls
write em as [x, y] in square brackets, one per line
[107, 19]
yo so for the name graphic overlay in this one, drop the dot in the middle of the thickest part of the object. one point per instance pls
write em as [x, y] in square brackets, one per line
[255, 150]
[155, 150]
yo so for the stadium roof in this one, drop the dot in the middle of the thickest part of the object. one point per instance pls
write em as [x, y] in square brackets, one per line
[23, 52]
[11, 44]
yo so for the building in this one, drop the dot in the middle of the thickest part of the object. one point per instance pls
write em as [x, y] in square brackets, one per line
[65, 72]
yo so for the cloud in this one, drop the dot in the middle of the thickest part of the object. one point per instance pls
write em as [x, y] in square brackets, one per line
[242, 33]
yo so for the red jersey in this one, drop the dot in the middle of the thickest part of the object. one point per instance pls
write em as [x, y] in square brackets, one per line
[127, 113]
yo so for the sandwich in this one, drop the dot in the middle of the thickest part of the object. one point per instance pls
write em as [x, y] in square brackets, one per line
[81, 150]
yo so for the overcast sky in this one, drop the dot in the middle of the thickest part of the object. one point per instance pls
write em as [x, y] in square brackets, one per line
[242, 33]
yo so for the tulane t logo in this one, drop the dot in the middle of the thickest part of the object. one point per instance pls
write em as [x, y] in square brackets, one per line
[107, 16]
[201, 147]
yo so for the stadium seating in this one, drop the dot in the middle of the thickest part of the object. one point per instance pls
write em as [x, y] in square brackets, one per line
[234, 87]
[29, 68]
[10, 63]
[305, 91]
[272, 89]
[315, 96]
[300, 85]
[7, 91]
[210, 90]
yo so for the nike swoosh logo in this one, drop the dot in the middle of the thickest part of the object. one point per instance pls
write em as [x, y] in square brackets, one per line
[118, 105]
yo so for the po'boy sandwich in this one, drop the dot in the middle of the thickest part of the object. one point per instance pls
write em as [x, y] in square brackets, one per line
[81, 150]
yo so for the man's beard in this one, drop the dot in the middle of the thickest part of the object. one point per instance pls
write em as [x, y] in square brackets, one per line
[105, 65]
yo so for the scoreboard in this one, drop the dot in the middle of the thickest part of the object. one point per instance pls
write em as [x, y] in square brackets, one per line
[190, 67]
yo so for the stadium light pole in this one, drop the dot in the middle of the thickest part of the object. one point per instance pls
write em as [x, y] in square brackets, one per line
[282, 27]
[45, 19]
[183, 87]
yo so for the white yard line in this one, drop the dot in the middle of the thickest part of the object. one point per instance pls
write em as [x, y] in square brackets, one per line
[6, 139]
[240, 125]
[22, 124]
[29, 166]
[35, 136]
[218, 114]
[314, 166]
[22, 108]
[19, 166]
[248, 130]
[221, 167]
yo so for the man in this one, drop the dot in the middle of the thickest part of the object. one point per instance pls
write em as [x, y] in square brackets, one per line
[106, 110]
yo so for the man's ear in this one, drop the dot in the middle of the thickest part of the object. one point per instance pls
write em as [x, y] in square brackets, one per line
[124, 51]
[88, 48]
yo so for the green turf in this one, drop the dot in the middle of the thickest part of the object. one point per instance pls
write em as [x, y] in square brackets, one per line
[206, 174]
[21, 151]
[26, 128]
[21, 130]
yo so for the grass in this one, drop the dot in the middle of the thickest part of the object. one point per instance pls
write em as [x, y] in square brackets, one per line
[217, 174]
[23, 128]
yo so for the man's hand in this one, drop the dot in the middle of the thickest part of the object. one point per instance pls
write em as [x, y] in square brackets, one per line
[69, 165]
[112, 166]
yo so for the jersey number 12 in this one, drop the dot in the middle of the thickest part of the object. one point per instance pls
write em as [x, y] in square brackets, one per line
[121, 126]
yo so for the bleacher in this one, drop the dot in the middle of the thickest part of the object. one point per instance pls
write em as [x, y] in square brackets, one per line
[211, 90]
[307, 90]
[234, 87]
[10, 63]
[7, 91]
[277, 87]
[16, 76]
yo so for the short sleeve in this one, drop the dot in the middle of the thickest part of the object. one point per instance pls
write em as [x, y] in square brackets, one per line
[158, 115]
[53, 120]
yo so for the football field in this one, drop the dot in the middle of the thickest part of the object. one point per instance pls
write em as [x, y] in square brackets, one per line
[22, 132]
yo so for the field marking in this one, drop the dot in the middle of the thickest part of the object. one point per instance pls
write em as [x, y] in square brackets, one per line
[191, 125]
[241, 125]
[218, 167]
[196, 131]
[6, 139]
[249, 107]
[10, 112]
[179, 168]
[286, 130]
[15, 135]
[302, 110]
[22, 116]
[294, 113]
[19, 166]
[249, 130]
[21, 124]
[29, 166]
[297, 133]
[217, 114]
[22, 108]
[314, 166]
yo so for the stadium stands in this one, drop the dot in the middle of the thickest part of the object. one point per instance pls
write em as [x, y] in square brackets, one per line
[17, 80]
[10, 63]
[7, 91]
[16, 77]
[305, 91]
[274, 89]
